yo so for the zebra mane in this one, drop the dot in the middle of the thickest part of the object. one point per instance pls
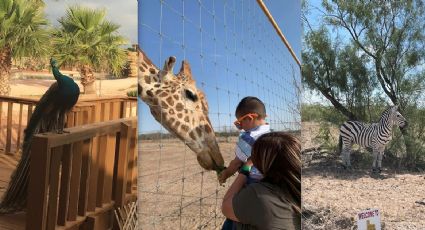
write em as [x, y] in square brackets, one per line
[387, 112]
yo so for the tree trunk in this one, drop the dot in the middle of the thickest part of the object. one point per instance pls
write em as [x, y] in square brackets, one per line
[87, 79]
[5, 67]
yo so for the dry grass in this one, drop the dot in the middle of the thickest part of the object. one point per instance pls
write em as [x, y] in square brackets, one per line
[174, 191]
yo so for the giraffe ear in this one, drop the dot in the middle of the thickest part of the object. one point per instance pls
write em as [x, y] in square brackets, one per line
[185, 70]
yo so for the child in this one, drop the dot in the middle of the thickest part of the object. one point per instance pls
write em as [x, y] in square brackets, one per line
[250, 114]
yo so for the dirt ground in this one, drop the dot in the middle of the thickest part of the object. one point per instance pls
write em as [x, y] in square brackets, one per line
[332, 196]
[174, 191]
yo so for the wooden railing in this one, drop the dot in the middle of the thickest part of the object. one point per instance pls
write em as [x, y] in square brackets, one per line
[78, 178]
[15, 113]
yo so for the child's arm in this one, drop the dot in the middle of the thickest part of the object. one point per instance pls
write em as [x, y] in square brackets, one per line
[233, 167]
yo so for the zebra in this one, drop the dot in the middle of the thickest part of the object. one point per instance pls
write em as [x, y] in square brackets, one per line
[375, 136]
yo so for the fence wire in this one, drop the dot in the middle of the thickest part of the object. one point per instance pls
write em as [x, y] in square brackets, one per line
[234, 52]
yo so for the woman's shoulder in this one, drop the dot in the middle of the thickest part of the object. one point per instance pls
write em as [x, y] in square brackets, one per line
[267, 191]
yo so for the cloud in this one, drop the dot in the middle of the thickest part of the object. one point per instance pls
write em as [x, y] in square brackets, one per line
[123, 13]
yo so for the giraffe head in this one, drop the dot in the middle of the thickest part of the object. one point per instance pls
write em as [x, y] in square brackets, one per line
[180, 107]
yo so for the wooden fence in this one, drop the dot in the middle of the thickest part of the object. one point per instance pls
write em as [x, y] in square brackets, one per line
[78, 178]
[15, 113]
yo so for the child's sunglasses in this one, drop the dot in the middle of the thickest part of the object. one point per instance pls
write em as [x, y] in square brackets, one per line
[238, 121]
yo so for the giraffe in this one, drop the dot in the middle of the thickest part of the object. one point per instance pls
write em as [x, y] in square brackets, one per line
[180, 107]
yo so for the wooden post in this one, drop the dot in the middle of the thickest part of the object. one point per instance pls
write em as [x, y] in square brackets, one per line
[18, 140]
[109, 168]
[75, 180]
[9, 127]
[54, 187]
[65, 185]
[103, 140]
[120, 187]
[94, 172]
[84, 181]
[38, 184]
[132, 165]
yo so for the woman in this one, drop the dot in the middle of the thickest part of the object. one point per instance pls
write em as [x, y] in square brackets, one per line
[275, 201]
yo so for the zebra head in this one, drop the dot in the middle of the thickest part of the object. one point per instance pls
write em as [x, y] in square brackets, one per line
[396, 118]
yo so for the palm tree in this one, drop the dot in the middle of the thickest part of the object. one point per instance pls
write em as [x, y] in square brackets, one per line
[86, 40]
[22, 34]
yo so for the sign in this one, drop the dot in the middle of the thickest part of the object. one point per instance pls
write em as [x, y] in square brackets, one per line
[369, 220]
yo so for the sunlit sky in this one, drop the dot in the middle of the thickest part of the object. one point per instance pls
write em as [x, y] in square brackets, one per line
[233, 51]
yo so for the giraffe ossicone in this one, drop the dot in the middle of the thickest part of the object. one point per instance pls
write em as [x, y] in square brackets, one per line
[180, 107]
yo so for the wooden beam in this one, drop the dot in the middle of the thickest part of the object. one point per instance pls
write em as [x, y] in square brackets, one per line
[38, 184]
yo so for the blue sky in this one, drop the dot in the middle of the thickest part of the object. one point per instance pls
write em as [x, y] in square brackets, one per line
[233, 51]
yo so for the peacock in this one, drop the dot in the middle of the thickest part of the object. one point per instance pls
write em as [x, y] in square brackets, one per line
[48, 116]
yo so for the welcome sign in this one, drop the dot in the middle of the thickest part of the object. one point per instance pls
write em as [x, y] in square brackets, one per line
[369, 220]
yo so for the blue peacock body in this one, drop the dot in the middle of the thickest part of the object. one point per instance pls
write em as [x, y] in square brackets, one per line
[48, 116]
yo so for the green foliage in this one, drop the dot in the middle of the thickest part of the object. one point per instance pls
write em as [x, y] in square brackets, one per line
[132, 93]
[326, 138]
[321, 113]
[85, 37]
[23, 28]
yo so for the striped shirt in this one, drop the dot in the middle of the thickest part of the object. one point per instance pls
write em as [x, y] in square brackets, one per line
[244, 145]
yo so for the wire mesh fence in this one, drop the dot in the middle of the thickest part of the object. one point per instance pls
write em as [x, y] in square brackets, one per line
[234, 52]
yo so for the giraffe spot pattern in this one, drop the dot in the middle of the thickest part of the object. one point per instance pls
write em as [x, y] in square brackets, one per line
[179, 107]
[208, 128]
[199, 131]
[186, 119]
[171, 111]
[170, 101]
[192, 135]
[179, 115]
[149, 93]
[185, 128]
[176, 97]
[147, 79]
[152, 70]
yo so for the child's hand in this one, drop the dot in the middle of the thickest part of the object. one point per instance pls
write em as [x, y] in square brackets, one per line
[222, 177]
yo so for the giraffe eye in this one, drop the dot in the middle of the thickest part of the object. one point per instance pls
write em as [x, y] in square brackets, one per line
[191, 95]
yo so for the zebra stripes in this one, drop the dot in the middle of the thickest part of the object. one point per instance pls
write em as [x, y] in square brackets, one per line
[375, 136]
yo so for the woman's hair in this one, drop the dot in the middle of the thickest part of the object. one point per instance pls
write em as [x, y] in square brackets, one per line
[277, 156]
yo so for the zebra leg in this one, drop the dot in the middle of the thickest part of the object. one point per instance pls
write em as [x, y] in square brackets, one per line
[377, 159]
[380, 155]
[345, 155]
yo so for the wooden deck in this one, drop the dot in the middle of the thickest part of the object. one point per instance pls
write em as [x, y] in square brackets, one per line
[17, 221]
[7, 165]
